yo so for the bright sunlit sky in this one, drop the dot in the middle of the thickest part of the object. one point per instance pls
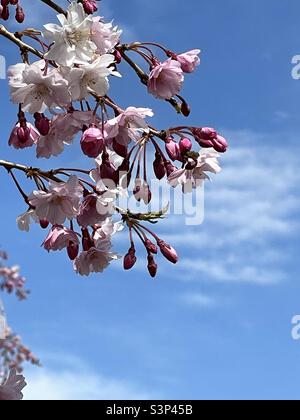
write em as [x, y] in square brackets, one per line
[217, 326]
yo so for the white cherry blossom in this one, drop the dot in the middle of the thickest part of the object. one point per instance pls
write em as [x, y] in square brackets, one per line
[73, 39]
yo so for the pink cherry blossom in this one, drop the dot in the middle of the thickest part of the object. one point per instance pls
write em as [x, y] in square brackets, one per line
[166, 79]
[194, 173]
[63, 129]
[59, 203]
[128, 125]
[88, 213]
[95, 260]
[189, 60]
[105, 35]
[59, 238]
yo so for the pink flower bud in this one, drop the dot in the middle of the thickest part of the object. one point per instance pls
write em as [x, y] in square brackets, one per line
[118, 57]
[87, 242]
[44, 223]
[151, 247]
[185, 109]
[152, 266]
[92, 142]
[208, 137]
[189, 60]
[159, 167]
[185, 146]
[168, 252]
[20, 15]
[130, 259]
[42, 124]
[220, 144]
[90, 6]
[73, 251]
[5, 12]
[172, 149]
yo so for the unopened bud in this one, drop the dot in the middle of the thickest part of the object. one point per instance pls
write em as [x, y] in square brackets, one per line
[130, 259]
[44, 223]
[42, 123]
[168, 252]
[185, 145]
[152, 266]
[159, 167]
[73, 251]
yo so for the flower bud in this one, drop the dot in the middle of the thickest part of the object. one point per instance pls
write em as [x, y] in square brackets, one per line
[92, 142]
[151, 247]
[168, 252]
[130, 259]
[185, 146]
[172, 149]
[159, 167]
[152, 266]
[73, 251]
[90, 6]
[185, 109]
[118, 57]
[20, 15]
[44, 223]
[42, 123]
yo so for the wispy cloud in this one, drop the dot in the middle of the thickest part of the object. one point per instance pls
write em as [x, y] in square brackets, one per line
[199, 300]
[78, 382]
[251, 211]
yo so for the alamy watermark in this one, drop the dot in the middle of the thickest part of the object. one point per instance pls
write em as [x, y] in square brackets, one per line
[296, 67]
[296, 328]
[2, 67]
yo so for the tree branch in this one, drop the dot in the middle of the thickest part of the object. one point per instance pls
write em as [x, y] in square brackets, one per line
[54, 6]
[22, 45]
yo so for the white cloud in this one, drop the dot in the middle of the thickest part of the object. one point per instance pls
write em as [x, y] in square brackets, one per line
[199, 300]
[251, 209]
[76, 381]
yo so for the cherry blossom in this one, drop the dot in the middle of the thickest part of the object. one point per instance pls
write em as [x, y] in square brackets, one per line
[189, 60]
[95, 260]
[90, 77]
[105, 35]
[166, 79]
[63, 129]
[61, 202]
[73, 39]
[38, 89]
[59, 238]
[194, 172]
[128, 125]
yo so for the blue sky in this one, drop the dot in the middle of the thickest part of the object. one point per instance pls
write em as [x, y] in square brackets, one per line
[218, 326]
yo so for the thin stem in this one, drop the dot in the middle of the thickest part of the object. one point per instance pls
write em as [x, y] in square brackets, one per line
[54, 6]
[22, 45]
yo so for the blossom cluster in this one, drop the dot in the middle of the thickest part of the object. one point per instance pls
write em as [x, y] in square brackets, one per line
[13, 354]
[11, 281]
[64, 96]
